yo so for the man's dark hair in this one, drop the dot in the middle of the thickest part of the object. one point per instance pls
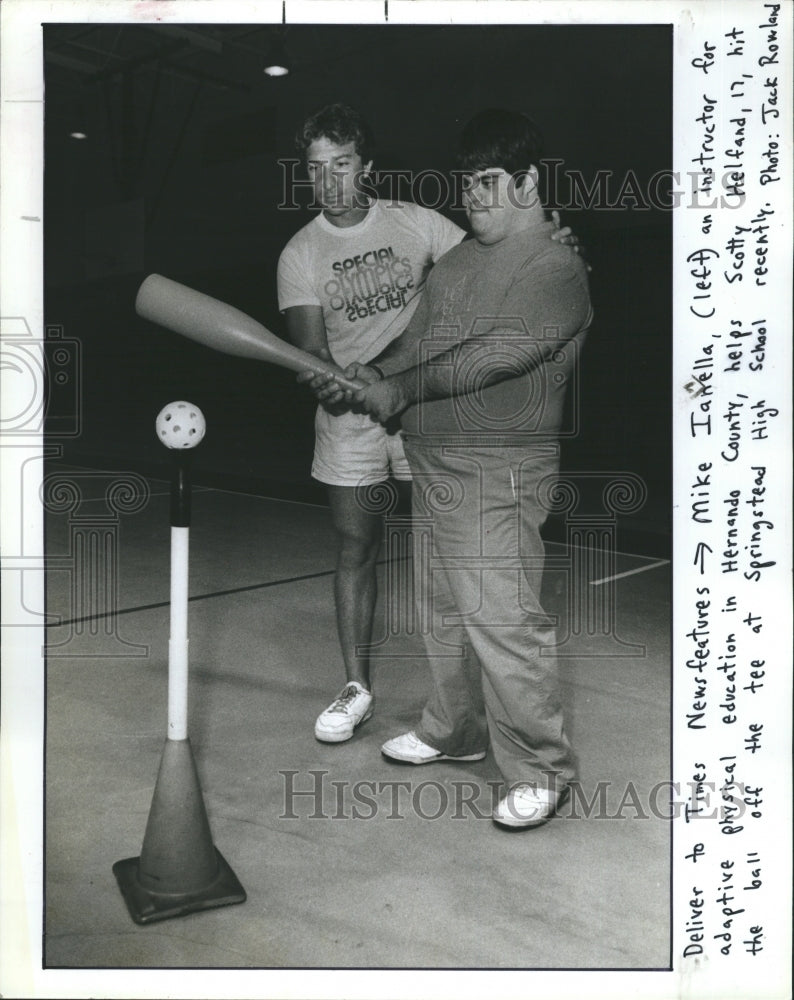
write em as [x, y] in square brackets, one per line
[341, 124]
[499, 138]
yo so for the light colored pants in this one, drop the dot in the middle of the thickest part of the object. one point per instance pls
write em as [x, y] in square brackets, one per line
[486, 568]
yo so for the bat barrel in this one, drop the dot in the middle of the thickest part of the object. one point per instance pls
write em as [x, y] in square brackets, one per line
[223, 328]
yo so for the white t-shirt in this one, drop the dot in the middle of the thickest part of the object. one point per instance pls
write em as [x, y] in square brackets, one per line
[363, 275]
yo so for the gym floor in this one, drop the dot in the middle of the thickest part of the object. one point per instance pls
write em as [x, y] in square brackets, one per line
[343, 867]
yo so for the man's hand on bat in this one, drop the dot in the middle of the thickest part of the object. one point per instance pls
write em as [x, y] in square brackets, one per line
[384, 399]
[328, 391]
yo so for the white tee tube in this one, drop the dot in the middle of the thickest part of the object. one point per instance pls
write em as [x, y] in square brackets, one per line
[178, 638]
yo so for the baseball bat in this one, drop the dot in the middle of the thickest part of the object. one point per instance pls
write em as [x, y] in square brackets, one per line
[220, 326]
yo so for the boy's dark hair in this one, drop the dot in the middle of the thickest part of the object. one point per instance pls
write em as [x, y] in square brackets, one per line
[341, 124]
[499, 138]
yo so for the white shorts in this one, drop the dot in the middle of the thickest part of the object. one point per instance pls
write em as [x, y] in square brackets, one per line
[354, 450]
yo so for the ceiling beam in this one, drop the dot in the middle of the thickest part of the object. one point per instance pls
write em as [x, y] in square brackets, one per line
[69, 62]
[201, 41]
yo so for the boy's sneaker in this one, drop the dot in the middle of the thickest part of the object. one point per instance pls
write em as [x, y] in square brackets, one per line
[409, 749]
[350, 708]
[525, 805]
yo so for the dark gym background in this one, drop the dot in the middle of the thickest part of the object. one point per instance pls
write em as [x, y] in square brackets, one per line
[179, 174]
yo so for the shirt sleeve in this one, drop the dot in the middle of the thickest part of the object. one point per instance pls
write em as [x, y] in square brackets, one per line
[549, 298]
[446, 235]
[441, 234]
[294, 284]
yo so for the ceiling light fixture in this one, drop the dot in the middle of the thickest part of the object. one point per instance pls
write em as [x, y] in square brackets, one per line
[277, 62]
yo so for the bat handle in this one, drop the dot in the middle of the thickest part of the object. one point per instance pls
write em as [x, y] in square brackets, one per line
[326, 368]
[351, 384]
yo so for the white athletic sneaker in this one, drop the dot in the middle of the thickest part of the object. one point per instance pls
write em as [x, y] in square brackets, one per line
[409, 749]
[525, 805]
[350, 708]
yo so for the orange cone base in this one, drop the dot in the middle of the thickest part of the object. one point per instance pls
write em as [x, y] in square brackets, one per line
[146, 906]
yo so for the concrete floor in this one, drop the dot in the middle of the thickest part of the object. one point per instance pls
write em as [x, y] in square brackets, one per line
[368, 882]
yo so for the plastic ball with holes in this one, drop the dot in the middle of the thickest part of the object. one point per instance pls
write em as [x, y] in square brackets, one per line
[180, 425]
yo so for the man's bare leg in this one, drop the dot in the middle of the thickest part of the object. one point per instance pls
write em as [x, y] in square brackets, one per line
[358, 533]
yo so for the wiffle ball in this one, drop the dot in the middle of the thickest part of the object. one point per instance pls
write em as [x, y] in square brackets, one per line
[180, 425]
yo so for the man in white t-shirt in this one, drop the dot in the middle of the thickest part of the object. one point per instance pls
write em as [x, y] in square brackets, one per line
[344, 281]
